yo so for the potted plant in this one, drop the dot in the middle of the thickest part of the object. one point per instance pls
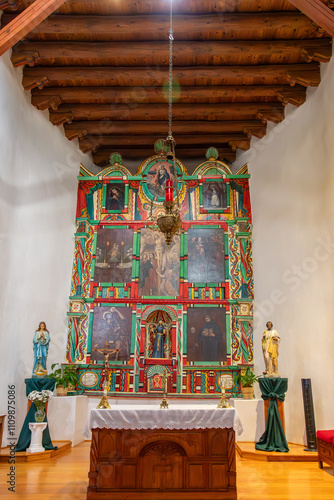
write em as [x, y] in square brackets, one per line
[65, 377]
[246, 380]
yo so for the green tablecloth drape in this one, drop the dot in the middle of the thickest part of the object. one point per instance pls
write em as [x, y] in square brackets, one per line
[273, 438]
[35, 384]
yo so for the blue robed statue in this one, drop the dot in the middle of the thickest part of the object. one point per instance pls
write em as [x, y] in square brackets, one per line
[159, 342]
[41, 343]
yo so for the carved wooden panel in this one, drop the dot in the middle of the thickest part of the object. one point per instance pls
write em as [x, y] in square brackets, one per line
[162, 467]
[107, 446]
[149, 464]
[217, 474]
[105, 477]
[218, 443]
[128, 476]
[196, 474]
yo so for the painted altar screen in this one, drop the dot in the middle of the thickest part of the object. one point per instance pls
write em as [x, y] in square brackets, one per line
[184, 312]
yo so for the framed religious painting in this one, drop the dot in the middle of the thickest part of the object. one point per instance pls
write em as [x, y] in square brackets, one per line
[112, 328]
[156, 171]
[213, 197]
[115, 198]
[159, 269]
[206, 334]
[114, 251]
[206, 255]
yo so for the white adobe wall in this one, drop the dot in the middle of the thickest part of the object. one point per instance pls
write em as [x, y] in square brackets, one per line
[38, 185]
[292, 195]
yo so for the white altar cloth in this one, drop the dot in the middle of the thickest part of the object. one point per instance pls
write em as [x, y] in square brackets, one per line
[176, 417]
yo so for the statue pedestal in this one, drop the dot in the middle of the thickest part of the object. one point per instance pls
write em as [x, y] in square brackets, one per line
[280, 407]
[273, 439]
[37, 429]
[34, 384]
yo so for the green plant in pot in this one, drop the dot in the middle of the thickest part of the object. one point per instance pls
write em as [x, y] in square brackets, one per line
[65, 376]
[246, 380]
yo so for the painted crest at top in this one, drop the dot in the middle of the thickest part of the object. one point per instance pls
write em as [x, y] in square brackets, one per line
[156, 171]
[157, 176]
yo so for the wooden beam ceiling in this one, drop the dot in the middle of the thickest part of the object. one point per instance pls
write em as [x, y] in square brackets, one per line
[149, 112]
[201, 128]
[318, 12]
[147, 7]
[147, 54]
[101, 68]
[22, 24]
[93, 143]
[267, 26]
[53, 97]
[304, 74]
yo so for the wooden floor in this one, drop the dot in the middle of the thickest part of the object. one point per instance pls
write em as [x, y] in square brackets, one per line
[64, 477]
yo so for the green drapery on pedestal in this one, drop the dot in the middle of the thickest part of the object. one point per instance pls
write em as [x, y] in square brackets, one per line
[273, 438]
[35, 384]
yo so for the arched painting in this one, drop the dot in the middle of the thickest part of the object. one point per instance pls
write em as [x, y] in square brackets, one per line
[158, 331]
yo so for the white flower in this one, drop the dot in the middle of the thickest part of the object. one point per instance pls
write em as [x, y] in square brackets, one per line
[43, 396]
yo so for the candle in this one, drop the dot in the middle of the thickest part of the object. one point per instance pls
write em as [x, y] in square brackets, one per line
[169, 190]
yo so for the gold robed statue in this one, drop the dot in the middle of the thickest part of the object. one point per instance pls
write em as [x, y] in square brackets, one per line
[270, 342]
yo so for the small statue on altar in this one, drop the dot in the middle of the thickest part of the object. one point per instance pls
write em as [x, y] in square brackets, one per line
[41, 343]
[160, 333]
[270, 342]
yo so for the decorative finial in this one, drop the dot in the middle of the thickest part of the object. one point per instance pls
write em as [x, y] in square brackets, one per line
[160, 146]
[212, 154]
[115, 159]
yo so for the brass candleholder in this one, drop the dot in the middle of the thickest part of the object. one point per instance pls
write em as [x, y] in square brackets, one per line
[104, 403]
[164, 403]
[223, 403]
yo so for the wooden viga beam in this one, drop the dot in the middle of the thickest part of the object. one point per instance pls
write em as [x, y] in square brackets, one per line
[54, 96]
[242, 26]
[19, 27]
[101, 157]
[94, 142]
[185, 53]
[200, 128]
[306, 74]
[318, 12]
[149, 112]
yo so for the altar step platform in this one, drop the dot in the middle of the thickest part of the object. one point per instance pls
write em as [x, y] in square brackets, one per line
[246, 450]
[23, 456]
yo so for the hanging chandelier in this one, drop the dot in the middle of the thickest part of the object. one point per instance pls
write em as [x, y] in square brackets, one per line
[169, 223]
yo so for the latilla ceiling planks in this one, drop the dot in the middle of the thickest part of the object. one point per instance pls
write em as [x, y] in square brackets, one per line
[101, 68]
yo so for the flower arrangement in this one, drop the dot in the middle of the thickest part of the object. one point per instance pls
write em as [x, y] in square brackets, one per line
[40, 398]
